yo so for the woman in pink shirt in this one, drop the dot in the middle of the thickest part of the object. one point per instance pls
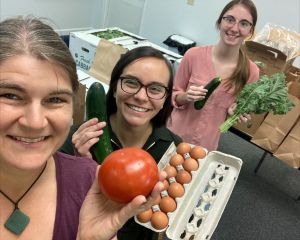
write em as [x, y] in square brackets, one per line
[200, 65]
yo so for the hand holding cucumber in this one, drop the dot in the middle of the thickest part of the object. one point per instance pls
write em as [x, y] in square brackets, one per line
[195, 93]
[211, 86]
[87, 135]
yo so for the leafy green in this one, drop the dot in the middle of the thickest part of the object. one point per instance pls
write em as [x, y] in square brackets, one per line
[109, 34]
[268, 94]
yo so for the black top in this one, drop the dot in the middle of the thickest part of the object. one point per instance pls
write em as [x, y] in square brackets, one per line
[157, 144]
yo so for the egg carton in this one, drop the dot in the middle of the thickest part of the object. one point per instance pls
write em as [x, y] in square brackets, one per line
[200, 209]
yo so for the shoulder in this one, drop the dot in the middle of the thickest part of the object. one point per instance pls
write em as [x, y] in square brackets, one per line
[159, 142]
[166, 134]
[74, 166]
[195, 51]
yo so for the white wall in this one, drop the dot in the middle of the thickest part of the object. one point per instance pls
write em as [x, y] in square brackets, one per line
[68, 15]
[162, 18]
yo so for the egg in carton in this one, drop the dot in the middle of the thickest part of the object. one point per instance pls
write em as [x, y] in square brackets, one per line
[199, 209]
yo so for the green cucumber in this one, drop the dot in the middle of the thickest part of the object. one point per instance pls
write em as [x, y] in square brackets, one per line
[211, 86]
[96, 108]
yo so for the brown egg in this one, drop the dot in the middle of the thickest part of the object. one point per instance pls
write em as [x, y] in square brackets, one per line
[167, 204]
[145, 216]
[175, 190]
[170, 170]
[159, 220]
[190, 164]
[183, 177]
[183, 148]
[176, 160]
[198, 152]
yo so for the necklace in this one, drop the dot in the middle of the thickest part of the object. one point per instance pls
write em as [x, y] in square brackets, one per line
[18, 221]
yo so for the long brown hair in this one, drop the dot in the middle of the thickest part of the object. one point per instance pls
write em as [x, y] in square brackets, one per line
[241, 74]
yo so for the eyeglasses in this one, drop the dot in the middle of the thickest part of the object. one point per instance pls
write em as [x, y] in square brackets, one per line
[153, 90]
[243, 24]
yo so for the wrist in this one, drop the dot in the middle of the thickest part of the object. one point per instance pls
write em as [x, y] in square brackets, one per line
[181, 99]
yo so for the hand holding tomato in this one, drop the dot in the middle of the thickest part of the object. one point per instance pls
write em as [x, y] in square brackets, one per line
[127, 173]
[100, 218]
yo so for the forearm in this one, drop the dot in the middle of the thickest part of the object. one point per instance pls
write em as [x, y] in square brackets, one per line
[181, 99]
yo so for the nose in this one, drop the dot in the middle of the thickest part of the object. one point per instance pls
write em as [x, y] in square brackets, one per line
[34, 117]
[235, 26]
[142, 94]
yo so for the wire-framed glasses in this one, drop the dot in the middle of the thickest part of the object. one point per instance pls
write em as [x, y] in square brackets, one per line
[153, 90]
[243, 24]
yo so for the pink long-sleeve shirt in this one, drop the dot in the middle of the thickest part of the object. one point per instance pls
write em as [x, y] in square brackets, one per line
[201, 127]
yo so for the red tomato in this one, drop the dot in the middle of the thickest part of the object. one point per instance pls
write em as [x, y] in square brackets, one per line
[126, 173]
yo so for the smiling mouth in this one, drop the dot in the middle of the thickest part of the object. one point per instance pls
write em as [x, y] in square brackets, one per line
[137, 109]
[232, 35]
[29, 140]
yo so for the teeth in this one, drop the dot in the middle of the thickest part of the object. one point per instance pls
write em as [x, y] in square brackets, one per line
[29, 140]
[138, 109]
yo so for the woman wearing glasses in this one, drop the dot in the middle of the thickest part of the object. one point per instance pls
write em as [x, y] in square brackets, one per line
[138, 105]
[200, 65]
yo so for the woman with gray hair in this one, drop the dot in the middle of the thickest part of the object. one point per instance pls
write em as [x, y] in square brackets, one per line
[45, 193]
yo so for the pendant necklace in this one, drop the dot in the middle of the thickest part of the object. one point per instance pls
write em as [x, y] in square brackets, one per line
[18, 221]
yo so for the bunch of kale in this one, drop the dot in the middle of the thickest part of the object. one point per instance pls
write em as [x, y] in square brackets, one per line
[268, 94]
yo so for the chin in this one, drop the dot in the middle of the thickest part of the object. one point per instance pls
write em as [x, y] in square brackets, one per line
[30, 161]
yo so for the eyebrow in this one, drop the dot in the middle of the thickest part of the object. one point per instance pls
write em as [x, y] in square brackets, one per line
[19, 88]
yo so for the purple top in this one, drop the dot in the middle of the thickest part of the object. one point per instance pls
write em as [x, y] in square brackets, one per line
[74, 176]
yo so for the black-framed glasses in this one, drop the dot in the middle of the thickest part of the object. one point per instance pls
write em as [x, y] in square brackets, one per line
[153, 90]
[243, 24]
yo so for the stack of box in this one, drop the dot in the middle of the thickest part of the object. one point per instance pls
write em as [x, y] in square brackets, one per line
[83, 46]
[276, 48]
[262, 50]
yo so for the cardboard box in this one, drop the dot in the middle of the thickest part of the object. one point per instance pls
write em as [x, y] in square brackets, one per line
[251, 128]
[83, 45]
[289, 151]
[85, 81]
[292, 74]
[274, 60]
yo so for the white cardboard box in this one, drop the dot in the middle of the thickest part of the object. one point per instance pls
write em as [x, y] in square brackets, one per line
[83, 45]
[88, 80]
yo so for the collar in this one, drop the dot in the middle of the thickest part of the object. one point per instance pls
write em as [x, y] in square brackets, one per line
[158, 134]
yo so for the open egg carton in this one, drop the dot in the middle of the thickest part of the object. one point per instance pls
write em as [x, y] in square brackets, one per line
[200, 208]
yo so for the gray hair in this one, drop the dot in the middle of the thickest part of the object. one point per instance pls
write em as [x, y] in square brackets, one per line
[31, 36]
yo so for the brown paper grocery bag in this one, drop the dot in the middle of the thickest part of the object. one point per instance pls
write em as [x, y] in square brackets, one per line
[106, 57]
[79, 105]
[289, 150]
[256, 121]
[274, 128]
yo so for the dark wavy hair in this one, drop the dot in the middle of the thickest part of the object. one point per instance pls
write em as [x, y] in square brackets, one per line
[126, 59]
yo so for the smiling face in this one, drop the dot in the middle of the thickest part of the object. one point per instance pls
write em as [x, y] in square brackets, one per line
[138, 109]
[35, 111]
[234, 34]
